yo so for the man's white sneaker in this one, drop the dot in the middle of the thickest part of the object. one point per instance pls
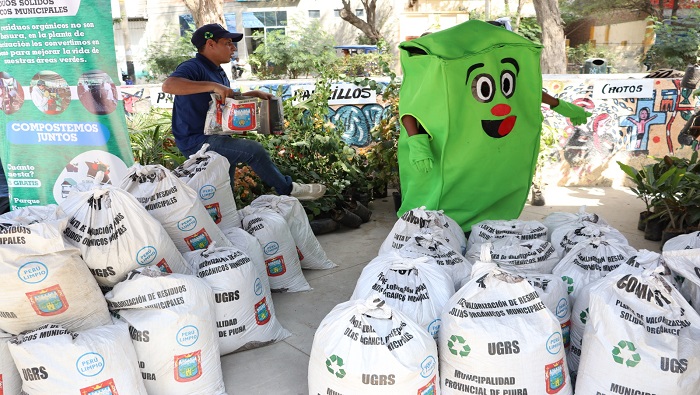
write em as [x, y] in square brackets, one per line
[307, 191]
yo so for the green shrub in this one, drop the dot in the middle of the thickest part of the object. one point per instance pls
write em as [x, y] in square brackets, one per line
[676, 44]
[282, 55]
[152, 140]
[165, 54]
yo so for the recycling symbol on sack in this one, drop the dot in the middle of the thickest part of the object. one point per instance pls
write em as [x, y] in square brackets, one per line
[334, 365]
[584, 316]
[617, 354]
[570, 282]
[458, 342]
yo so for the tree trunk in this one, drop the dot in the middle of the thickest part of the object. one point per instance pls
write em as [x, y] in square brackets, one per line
[553, 41]
[518, 15]
[674, 10]
[369, 28]
[206, 11]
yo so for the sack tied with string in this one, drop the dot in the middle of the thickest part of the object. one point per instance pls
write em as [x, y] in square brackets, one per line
[115, 234]
[245, 315]
[416, 287]
[534, 256]
[94, 361]
[430, 243]
[367, 347]
[42, 288]
[281, 257]
[311, 254]
[207, 173]
[567, 236]
[412, 221]
[175, 205]
[590, 260]
[497, 335]
[488, 230]
[173, 328]
[558, 219]
[640, 338]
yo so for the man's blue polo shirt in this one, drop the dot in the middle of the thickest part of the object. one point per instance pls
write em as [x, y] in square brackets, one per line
[190, 111]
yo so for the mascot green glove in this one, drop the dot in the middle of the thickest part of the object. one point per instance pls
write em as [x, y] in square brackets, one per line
[576, 114]
[475, 92]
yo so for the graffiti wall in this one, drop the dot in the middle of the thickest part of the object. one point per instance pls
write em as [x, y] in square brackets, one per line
[630, 130]
[622, 128]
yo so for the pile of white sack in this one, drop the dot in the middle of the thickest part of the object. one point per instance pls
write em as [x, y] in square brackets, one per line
[139, 289]
[560, 306]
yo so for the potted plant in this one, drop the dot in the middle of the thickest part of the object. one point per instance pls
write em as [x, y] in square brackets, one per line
[640, 188]
[381, 155]
[680, 195]
[673, 184]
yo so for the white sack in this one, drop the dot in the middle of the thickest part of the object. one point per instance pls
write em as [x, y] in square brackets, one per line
[534, 256]
[311, 254]
[10, 381]
[414, 286]
[557, 219]
[590, 260]
[552, 290]
[366, 347]
[581, 313]
[47, 288]
[280, 251]
[247, 243]
[640, 338]
[174, 205]
[173, 327]
[567, 236]
[497, 334]
[431, 243]
[207, 173]
[489, 230]
[686, 264]
[31, 230]
[412, 221]
[687, 241]
[245, 315]
[95, 361]
[115, 234]
[32, 214]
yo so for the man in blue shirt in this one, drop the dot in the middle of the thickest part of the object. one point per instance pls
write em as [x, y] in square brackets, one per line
[192, 84]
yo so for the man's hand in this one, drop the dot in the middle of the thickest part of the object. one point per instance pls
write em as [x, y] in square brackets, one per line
[223, 91]
[419, 152]
[576, 114]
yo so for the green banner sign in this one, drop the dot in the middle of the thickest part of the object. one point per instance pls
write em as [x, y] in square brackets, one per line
[62, 120]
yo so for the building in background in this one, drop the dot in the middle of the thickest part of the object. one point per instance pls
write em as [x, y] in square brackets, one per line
[151, 20]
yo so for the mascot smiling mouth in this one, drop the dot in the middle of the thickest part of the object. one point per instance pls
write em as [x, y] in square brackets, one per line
[498, 128]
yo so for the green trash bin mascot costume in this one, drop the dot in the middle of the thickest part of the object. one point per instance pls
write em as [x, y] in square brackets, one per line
[475, 89]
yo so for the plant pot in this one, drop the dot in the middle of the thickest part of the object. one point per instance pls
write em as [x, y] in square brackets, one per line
[322, 226]
[379, 191]
[346, 218]
[654, 228]
[363, 198]
[537, 199]
[397, 200]
[360, 210]
[642, 223]
[667, 234]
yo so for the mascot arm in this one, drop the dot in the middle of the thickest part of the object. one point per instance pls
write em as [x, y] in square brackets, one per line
[576, 114]
[419, 152]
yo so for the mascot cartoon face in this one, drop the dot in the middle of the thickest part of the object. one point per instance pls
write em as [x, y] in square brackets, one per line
[494, 90]
[476, 90]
